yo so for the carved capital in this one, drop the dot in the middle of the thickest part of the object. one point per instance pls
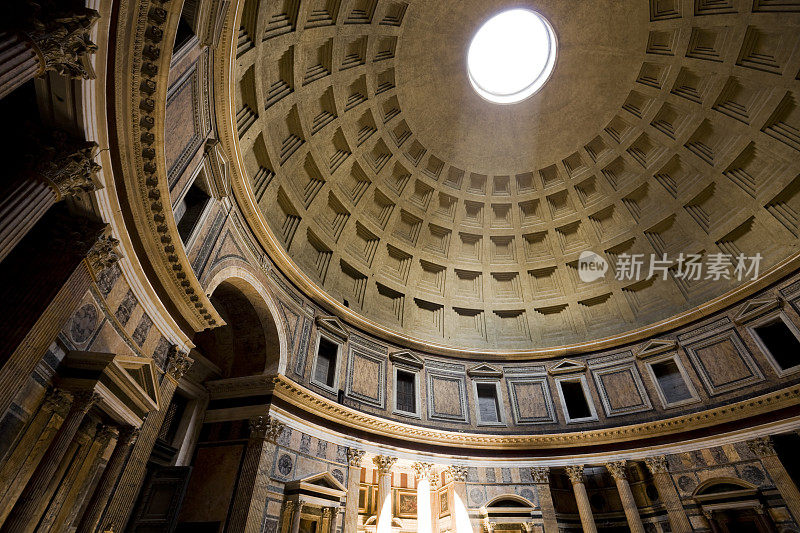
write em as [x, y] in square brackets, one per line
[105, 433]
[422, 470]
[127, 436]
[265, 428]
[57, 401]
[617, 470]
[354, 457]
[762, 446]
[103, 254]
[84, 400]
[575, 473]
[63, 40]
[384, 463]
[178, 363]
[657, 464]
[458, 473]
[327, 512]
[540, 474]
[67, 165]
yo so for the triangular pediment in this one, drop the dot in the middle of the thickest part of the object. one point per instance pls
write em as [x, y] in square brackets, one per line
[333, 325]
[755, 308]
[483, 370]
[656, 346]
[567, 366]
[324, 482]
[404, 357]
[142, 372]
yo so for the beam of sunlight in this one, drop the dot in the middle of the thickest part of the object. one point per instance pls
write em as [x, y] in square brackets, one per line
[385, 514]
[460, 515]
[424, 506]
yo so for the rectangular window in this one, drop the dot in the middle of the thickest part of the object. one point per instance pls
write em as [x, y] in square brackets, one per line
[325, 371]
[406, 392]
[670, 381]
[575, 400]
[190, 209]
[781, 343]
[488, 407]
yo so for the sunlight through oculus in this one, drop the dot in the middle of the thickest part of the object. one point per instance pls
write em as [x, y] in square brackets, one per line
[511, 56]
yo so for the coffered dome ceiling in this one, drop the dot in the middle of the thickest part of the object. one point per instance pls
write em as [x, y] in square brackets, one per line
[395, 190]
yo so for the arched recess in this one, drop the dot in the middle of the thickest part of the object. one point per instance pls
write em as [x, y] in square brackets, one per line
[509, 500]
[722, 485]
[253, 341]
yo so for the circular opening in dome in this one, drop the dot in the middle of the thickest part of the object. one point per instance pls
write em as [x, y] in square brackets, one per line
[511, 56]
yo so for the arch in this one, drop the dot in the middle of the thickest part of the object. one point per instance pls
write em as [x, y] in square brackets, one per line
[503, 499]
[266, 308]
[722, 485]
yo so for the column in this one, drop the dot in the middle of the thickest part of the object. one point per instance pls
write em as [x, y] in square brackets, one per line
[712, 523]
[458, 504]
[65, 167]
[384, 465]
[334, 517]
[298, 512]
[23, 514]
[288, 514]
[668, 494]
[127, 489]
[354, 457]
[765, 450]
[434, 481]
[54, 273]
[250, 496]
[422, 472]
[575, 473]
[91, 517]
[620, 475]
[31, 446]
[58, 45]
[541, 478]
[72, 465]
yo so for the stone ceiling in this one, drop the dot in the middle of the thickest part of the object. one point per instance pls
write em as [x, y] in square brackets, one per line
[666, 127]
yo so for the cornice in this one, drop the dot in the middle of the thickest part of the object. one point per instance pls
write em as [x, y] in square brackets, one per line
[317, 405]
[141, 77]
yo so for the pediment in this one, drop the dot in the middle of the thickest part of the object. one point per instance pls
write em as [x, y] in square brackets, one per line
[755, 308]
[404, 357]
[321, 483]
[656, 346]
[483, 370]
[567, 366]
[333, 325]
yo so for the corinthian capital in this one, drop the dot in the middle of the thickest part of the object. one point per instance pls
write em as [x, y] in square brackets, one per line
[384, 463]
[354, 456]
[617, 470]
[265, 428]
[67, 165]
[540, 474]
[422, 470]
[62, 39]
[656, 464]
[178, 364]
[458, 473]
[103, 253]
[575, 473]
[762, 446]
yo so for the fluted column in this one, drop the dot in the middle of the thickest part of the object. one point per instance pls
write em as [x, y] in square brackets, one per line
[459, 511]
[541, 478]
[250, 497]
[333, 518]
[67, 168]
[32, 445]
[298, 512]
[23, 516]
[668, 494]
[288, 515]
[384, 465]
[91, 516]
[54, 288]
[765, 450]
[620, 475]
[53, 42]
[127, 490]
[354, 457]
[575, 473]
[423, 473]
[434, 481]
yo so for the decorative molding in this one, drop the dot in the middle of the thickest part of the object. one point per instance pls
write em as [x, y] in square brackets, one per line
[315, 404]
[333, 325]
[484, 370]
[567, 366]
[655, 347]
[407, 358]
[757, 307]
